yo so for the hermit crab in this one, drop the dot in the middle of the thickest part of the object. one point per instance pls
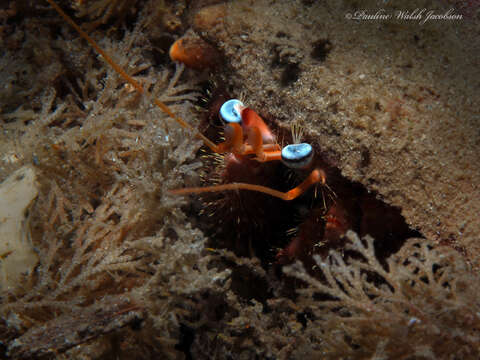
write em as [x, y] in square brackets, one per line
[247, 134]
[312, 224]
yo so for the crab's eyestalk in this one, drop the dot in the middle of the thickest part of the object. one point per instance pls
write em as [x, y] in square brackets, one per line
[231, 111]
[297, 156]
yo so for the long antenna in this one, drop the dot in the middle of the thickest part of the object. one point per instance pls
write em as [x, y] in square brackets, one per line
[130, 79]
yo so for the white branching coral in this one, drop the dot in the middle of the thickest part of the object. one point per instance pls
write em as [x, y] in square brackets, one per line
[418, 305]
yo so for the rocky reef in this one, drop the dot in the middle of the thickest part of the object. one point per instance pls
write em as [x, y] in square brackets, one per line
[114, 265]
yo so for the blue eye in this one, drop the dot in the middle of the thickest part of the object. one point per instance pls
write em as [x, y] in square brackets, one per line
[297, 156]
[231, 110]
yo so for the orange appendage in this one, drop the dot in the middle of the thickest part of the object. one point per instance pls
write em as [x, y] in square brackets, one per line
[337, 223]
[250, 119]
[317, 234]
[233, 140]
[236, 143]
[316, 177]
[194, 52]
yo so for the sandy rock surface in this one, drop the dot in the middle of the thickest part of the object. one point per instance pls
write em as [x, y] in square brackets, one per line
[392, 103]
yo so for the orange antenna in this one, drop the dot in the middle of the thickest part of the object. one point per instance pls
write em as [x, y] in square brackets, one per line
[130, 79]
[316, 176]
